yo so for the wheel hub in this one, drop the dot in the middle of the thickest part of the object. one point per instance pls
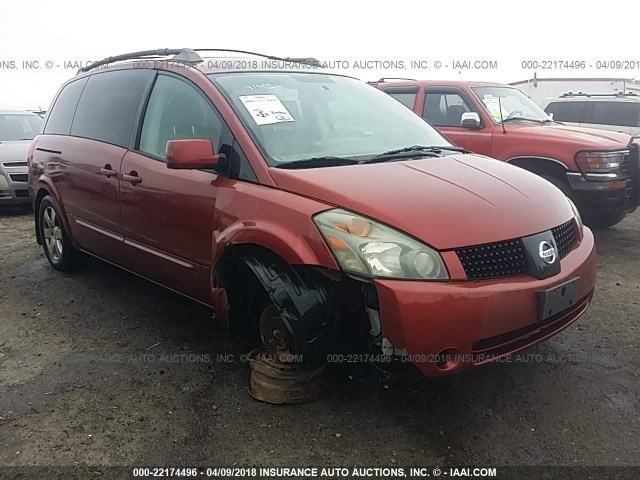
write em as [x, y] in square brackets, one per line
[275, 335]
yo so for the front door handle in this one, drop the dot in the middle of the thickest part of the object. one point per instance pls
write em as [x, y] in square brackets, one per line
[132, 177]
[108, 171]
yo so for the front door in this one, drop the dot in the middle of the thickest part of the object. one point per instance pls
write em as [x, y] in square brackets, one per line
[443, 108]
[168, 214]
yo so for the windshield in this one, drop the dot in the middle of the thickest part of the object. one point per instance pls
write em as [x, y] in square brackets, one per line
[297, 116]
[515, 104]
[19, 127]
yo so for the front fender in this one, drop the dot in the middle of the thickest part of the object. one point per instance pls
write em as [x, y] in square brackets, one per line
[296, 248]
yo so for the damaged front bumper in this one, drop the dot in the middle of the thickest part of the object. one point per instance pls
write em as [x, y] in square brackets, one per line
[458, 325]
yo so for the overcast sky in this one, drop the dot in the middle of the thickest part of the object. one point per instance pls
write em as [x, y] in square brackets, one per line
[508, 32]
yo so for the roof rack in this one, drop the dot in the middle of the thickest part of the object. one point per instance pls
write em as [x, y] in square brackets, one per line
[303, 60]
[185, 55]
[614, 94]
[384, 79]
[188, 55]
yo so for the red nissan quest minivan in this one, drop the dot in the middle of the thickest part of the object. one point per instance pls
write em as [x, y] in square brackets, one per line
[305, 207]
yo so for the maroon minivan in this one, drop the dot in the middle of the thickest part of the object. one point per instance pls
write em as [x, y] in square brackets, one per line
[305, 206]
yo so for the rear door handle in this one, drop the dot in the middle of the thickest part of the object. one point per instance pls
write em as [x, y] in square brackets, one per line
[108, 171]
[132, 177]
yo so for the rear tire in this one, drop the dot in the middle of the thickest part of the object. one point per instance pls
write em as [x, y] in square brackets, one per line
[55, 239]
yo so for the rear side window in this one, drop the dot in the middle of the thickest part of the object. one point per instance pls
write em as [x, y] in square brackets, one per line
[108, 106]
[566, 111]
[625, 114]
[405, 95]
[61, 114]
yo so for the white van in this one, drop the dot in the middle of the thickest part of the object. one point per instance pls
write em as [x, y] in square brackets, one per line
[617, 112]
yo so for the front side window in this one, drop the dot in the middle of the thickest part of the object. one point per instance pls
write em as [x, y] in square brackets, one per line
[624, 114]
[444, 109]
[516, 106]
[298, 116]
[177, 111]
[15, 127]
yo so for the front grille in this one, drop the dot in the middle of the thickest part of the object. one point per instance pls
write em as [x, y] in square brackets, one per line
[18, 177]
[507, 258]
[625, 168]
[22, 193]
[493, 260]
[14, 164]
[566, 237]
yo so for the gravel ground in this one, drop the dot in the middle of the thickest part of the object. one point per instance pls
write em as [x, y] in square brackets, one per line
[99, 367]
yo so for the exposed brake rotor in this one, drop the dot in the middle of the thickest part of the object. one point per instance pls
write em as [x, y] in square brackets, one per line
[275, 335]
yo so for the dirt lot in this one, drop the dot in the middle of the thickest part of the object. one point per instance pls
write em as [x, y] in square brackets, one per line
[100, 367]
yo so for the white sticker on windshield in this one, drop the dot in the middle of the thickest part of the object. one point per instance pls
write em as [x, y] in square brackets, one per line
[266, 109]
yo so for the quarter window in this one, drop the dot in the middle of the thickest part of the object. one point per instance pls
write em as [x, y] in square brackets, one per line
[109, 104]
[176, 111]
[444, 109]
[625, 114]
[61, 115]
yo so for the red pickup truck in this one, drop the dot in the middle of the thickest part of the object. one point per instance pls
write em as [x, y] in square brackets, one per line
[597, 169]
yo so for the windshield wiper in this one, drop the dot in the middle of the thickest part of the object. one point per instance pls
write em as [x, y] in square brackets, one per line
[508, 119]
[413, 151]
[317, 162]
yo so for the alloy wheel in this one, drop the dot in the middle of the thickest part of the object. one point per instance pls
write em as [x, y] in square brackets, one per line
[52, 233]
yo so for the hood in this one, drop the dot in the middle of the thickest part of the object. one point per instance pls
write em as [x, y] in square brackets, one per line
[14, 151]
[583, 137]
[447, 202]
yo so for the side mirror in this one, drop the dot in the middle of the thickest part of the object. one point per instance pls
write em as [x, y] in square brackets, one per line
[191, 154]
[550, 115]
[470, 120]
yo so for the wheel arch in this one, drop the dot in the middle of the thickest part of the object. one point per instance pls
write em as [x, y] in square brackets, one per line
[46, 187]
[541, 166]
[302, 294]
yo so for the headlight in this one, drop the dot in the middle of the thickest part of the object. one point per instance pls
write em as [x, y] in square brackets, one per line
[601, 165]
[368, 248]
[576, 213]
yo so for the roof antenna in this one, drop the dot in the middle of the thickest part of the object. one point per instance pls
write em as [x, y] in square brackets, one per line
[501, 119]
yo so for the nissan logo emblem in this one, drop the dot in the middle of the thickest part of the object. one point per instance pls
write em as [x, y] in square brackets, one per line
[547, 252]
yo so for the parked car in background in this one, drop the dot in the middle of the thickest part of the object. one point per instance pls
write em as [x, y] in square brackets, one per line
[306, 207]
[597, 169]
[17, 129]
[615, 112]
[39, 112]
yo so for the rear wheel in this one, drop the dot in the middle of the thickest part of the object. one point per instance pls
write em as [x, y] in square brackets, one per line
[55, 239]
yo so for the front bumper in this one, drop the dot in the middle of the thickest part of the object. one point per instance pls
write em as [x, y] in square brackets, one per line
[13, 183]
[611, 194]
[617, 195]
[479, 321]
